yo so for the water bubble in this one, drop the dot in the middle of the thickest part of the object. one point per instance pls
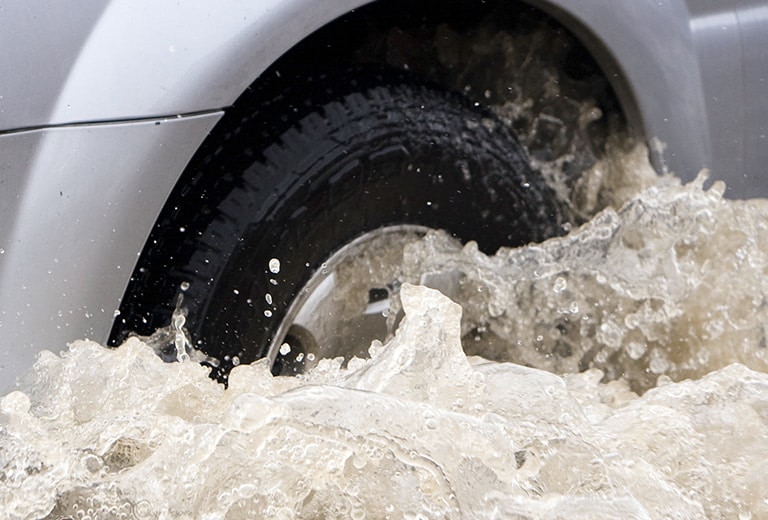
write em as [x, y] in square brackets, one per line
[465, 171]
[268, 298]
[560, 285]
[143, 510]
[268, 313]
[225, 499]
[184, 286]
[632, 321]
[16, 403]
[496, 308]
[274, 265]
[635, 349]
[285, 349]
[658, 363]
[610, 334]
[92, 463]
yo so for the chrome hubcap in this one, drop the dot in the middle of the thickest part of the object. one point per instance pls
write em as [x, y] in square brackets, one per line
[347, 302]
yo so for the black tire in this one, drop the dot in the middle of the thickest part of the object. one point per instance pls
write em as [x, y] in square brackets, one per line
[297, 178]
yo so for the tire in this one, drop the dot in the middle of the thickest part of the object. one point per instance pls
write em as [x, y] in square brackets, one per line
[299, 177]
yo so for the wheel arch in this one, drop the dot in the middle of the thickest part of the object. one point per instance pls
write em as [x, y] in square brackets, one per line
[638, 99]
[399, 34]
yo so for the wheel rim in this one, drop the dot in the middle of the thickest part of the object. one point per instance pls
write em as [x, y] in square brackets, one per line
[346, 303]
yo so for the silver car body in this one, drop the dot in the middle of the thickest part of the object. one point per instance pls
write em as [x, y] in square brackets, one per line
[102, 105]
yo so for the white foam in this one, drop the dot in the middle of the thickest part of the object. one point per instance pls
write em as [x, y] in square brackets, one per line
[418, 431]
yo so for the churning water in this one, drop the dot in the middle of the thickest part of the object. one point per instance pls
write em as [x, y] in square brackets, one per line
[624, 377]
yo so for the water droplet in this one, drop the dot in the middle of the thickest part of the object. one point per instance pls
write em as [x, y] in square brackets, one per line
[635, 349]
[184, 286]
[560, 284]
[496, 308]
[274, 265]
[268, 298]
[285, 349]
[659, 363]
[268, 313]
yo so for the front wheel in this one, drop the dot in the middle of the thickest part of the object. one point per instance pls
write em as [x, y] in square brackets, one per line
[281, 202]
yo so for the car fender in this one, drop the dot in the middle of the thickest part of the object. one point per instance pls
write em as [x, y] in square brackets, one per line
[133, 59]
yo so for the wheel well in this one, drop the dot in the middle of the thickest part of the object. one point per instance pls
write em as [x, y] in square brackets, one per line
[506, 55]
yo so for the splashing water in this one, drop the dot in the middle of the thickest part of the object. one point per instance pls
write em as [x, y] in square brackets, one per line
[627, 375]
[670, 287]
[172, 343]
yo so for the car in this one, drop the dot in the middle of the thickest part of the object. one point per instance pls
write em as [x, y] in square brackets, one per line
[241, 155]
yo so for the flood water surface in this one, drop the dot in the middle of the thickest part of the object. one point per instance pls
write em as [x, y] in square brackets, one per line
[623, 376]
